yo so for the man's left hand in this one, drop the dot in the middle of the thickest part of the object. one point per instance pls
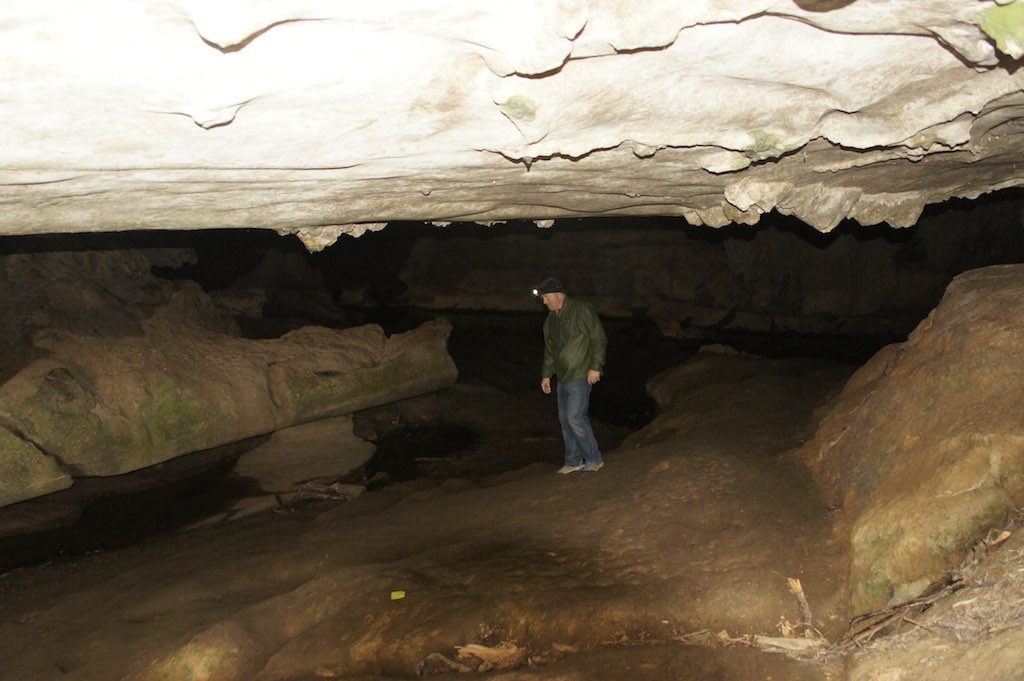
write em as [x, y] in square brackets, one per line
[593, 376]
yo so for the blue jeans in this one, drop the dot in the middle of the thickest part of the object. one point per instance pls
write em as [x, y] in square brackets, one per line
[580, 443]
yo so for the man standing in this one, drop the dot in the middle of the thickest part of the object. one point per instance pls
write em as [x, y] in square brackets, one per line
[574, 351]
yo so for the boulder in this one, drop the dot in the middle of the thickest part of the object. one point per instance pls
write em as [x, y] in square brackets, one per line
[925, 446]
[320, 451]
[106, 406]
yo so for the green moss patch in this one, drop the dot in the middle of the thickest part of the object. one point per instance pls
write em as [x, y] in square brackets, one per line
[1005, 25]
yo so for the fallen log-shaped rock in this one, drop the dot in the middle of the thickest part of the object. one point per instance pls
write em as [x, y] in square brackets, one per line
[26, 472]
[100, 406]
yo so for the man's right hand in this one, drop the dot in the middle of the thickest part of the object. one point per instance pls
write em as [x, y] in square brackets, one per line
[545, 385]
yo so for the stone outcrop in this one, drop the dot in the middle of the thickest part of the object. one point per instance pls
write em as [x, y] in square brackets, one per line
[323, 118]
[925, 447]
[104, 406]
[164, 377]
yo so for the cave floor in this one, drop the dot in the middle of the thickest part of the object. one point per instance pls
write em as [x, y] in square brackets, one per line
[663, 565]
[674, 562]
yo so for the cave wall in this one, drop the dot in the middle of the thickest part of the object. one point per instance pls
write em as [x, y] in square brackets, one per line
[778, 276]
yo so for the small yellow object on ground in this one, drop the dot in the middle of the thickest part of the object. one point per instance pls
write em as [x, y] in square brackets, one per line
[397, 595]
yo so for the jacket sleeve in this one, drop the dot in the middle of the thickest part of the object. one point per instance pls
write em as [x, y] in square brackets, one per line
[547, 369]
[597, 340]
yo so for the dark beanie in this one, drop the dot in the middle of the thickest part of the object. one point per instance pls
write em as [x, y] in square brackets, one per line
[550, 285]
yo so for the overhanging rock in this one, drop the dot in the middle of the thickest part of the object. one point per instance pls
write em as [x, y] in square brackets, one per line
[322, 118]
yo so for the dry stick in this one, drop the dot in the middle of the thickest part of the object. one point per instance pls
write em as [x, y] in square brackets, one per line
[805, 608]
[918, 624]
[953, 582]
[882, 618]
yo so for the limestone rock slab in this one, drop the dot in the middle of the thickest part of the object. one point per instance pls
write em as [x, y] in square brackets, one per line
[321, 118]
[104, 406]
[322, 449]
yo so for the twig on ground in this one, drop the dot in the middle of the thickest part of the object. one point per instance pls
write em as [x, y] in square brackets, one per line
[797, 589]
[918, 624]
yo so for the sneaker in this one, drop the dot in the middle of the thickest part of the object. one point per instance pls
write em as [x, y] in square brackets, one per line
[593, 467]
[566, 469]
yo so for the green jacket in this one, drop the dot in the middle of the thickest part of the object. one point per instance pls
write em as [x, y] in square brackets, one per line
[574, 342]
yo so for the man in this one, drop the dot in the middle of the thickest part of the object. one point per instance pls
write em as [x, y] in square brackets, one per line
[574, 351]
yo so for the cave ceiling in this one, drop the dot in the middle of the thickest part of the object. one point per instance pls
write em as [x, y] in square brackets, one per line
[321, 118]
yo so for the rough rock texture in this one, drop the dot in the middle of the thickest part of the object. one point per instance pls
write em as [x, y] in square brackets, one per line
[321, 118]
[90, 293]
[326, 448]
[26, 472]
[109, 370]
[777, 277]
[104, 406]
[974, 634]
[925, 446]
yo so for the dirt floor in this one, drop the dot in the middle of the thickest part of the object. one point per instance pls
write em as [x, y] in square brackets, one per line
[698, 552]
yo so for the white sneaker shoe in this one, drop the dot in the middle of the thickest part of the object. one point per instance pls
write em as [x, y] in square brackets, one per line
[566, 469]
[593, 467]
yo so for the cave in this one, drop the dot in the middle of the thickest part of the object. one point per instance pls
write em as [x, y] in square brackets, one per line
[269, 401]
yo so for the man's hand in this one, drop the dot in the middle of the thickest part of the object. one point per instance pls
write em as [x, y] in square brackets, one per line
[593, 376]
[545, 385]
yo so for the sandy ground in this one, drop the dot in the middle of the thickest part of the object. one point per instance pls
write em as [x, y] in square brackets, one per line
[664, 565]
